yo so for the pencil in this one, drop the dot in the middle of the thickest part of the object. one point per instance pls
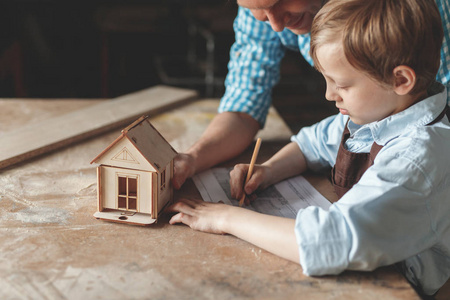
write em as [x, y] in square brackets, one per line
[250, 169]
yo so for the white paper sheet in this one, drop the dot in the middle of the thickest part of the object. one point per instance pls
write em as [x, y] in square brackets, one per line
[283, 199]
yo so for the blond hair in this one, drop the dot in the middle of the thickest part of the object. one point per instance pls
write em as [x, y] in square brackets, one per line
[379, 35]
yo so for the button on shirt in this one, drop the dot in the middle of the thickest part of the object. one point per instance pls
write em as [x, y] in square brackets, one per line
[254, 66]
[399, 211]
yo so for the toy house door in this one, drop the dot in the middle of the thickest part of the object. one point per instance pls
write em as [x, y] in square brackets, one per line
[126, 189]
[127, 192]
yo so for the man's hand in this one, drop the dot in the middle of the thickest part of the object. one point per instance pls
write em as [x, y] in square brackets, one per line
[184, 168]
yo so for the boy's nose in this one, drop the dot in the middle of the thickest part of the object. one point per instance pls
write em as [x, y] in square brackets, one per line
[331, 95]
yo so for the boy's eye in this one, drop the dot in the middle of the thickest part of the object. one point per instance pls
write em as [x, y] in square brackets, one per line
[339, 88]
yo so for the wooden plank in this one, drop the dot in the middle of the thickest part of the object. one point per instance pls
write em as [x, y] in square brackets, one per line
[36, 139]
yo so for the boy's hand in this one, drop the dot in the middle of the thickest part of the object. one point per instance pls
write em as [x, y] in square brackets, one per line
[200, 215]
[237, 180]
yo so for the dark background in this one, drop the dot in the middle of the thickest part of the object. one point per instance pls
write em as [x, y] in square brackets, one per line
[104, 49]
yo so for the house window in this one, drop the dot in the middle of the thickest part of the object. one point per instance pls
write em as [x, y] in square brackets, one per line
[163, 179]
[127, 192]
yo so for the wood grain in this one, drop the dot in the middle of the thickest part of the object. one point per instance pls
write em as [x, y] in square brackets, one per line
[52, 248]
[48, 135]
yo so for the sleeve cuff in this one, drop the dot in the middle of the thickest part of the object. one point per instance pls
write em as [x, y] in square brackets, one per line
[323, 241]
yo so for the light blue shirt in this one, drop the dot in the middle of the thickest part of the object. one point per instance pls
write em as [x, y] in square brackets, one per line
[399, 211]
[255, 57]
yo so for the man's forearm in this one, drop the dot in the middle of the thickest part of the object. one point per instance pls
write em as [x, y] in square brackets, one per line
[228, 135]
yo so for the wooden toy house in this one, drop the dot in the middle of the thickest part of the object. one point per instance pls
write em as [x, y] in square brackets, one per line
[134, 176]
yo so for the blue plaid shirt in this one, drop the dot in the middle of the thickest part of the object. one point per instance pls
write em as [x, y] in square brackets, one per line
[255, 57]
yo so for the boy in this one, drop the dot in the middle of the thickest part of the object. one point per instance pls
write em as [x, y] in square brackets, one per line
[388, 148]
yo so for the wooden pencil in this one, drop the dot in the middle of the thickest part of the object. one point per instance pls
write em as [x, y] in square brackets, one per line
[250, 169]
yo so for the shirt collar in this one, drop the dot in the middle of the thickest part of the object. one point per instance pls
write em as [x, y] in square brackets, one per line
[419, 114]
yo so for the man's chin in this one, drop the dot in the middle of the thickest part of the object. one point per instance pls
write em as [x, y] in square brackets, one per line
[299, 31]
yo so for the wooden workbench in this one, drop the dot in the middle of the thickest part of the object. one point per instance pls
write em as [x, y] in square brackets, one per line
[52, 248]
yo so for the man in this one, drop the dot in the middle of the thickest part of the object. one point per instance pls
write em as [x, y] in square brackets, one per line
[264, 30]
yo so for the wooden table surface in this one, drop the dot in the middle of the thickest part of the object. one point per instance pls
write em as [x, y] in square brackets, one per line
[52, 248]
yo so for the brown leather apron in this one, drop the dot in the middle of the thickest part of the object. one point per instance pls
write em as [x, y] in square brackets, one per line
[350, 166]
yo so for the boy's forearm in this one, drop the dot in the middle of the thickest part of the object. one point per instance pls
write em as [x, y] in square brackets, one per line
[287, 162]
[273, 234]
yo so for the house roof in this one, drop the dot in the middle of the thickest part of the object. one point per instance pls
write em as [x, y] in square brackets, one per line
[148, 141]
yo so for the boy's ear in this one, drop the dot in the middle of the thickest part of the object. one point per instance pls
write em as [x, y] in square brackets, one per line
[404, 79]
